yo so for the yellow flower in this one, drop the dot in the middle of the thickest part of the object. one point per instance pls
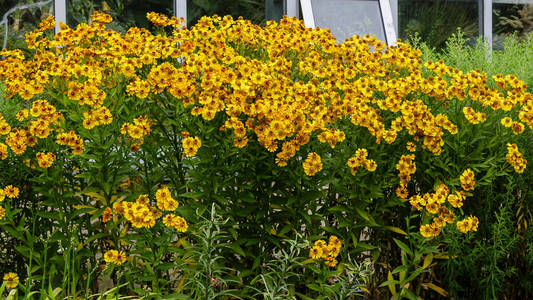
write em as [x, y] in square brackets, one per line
[11, 280]
[165, 200]
[191, 145]
[101, 17]
[167, 220]
[313, 164]
[315, 252]
[2, 212]
[331, 262]
[507, 122]
[3, 151]
[121, 258]
[467, 180]
[429, 230]
[115, 257]
[107, 214]
[455, 200]
[11, 191]
[411, 147]
[515, 158]
[180, 224]
[517, 127]
[464, 226]
[110, 256]
[45, 160]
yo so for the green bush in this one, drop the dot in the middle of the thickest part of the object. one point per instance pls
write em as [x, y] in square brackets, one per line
[233, 160]
[497, 262]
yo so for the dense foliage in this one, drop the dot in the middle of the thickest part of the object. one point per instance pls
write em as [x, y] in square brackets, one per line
[498, 260]
[233, 160]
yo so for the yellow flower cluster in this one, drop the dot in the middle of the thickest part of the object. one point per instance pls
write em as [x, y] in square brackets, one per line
[45, 160]
[467, 180]
[517, 127]
[312, 164]
[177, 222]
[162, 20]
[47, 23]
[468, 224]
[331, 136]
[360, 159]
[72, 140]
[137, 131]
[97, 117]
[191, 145]
[456, 200]
[19, 139]
[282, 82]
[474, 117]
[327, 251]
[140, 213]
[11, 280]
[515, 158]
[435, 204]
[239, 130]
[143, 215]
[101, 17]
[165, 200]
[115, 257]
[43, 119]
[406, 166]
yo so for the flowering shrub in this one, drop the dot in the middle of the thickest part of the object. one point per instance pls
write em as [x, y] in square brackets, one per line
[281, 127]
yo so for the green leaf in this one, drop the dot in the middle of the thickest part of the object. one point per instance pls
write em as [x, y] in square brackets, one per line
[400, 268]
[409, 294]
[238, 249]
[94, 237]
[14, 233]
[395, 229]
[427, 260]
[403, 246]
[437, 289]
[314, 287]
[192, 195]
[412, 276]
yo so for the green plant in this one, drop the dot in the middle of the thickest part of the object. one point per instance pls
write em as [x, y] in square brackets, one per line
[205, 274]
[495, 263]
[436, 21]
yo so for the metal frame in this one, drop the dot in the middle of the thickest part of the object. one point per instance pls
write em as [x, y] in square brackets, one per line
[180, 9]
[307, 12]
[485, 21]
[388, 22]
[386, 18]
[394, 8]
[60, 12]
[291, 8]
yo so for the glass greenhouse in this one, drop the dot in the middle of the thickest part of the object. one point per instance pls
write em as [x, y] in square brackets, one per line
[433, 20]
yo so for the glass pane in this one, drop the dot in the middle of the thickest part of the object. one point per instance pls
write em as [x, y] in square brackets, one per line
[125, 13]
[435, 21]
[510, 18]
[348, 17]
[20, 22]
[253, 10]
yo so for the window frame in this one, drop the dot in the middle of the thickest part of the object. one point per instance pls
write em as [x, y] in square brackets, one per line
[387, 19]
